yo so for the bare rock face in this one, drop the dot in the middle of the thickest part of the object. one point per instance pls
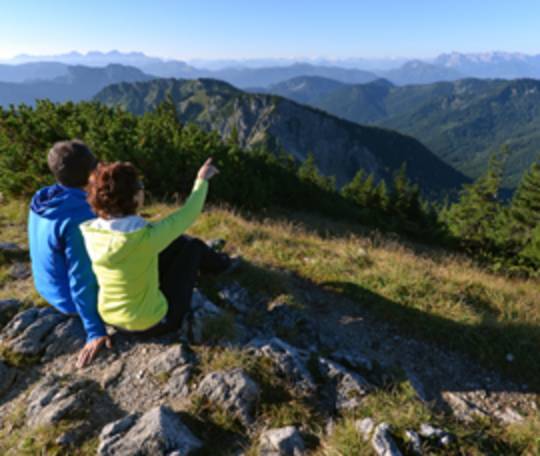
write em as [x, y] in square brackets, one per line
[365, 427]
[7, 376]
[382, 441]
[27, 332]
[53, 399]
[233, 390]
[289, 362]
[178, 384]
[345, 388]
[285, 441]
[158, 432]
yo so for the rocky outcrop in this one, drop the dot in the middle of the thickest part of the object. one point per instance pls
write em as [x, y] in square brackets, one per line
[55, 398]
[158, 432]
[383, 442]
[285, 441]
[27, 333]
[233, 390]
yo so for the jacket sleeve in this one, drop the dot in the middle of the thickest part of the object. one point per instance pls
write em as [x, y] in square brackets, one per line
[165, 231]
[82, 283]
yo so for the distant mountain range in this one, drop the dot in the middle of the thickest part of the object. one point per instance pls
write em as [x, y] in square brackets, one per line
[72, 83]
[263, 72]
[463, 121]
[340, 147]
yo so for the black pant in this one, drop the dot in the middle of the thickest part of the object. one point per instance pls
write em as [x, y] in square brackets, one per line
[179, 266]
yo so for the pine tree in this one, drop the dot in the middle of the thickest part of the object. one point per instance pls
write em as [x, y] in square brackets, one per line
[405, 196]
[525, 208]
[308, 172]
[475, 218]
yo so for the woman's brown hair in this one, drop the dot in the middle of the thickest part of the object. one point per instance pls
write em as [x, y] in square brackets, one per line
[112, 189]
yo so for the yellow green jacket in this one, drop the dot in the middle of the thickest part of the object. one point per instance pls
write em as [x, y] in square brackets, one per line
[126, 264]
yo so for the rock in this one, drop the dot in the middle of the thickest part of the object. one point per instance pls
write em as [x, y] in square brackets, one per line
[414, 442]
[289, 362]
[70, 437]
[233, 390]
[201, 310]
[20, 271]
[428, 431]
[365, 427]
[158, 432]
[237, 297]
[66, 337]
[345, 388]
[285, 441]
[354, 360]
[418, 387]
[173, 357]
[508, 416]
[178, 384]
[447, 440]
[382, 441]
[463, 410]
[7, 376]
[10, 247]
[9, 305]
[53, 399]
[26, 333]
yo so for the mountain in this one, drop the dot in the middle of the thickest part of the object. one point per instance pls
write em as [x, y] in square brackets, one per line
[339, 147]
[32, 71]
[502, 65]
[78, 83]
[418, 72]
[462, 122]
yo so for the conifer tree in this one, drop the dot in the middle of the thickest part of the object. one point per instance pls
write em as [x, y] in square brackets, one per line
[308, 172]
[525, 208]
[475, 218]
[405, 196]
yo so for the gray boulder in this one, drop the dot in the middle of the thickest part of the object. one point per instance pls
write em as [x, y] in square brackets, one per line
[9, 305]
[52, 399]
[354, 360]
[285, 441]
[233, 390]
[382, 441]
[27, 332]
[67, 337]
[7, 376]
[414, 442]
[20, 271]
[158, 432]
[289, 362]
[344, 388]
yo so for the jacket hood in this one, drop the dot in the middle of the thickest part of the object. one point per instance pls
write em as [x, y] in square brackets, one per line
[56, 200]
[106, 247]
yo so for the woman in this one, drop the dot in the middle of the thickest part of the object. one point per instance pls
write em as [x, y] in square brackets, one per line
[146, 271]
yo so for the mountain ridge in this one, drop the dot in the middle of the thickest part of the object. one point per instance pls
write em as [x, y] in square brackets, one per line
[340, 147]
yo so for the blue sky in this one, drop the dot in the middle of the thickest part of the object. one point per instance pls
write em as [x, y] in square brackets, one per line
[209, 29]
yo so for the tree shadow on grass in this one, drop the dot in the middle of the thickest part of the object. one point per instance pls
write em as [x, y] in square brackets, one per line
[487, 342]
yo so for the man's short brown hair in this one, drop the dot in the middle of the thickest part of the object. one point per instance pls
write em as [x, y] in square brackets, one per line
[71, 162]
[112, 189]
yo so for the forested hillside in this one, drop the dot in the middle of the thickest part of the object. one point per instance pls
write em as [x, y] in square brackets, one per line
[339, 148]
[463, 122]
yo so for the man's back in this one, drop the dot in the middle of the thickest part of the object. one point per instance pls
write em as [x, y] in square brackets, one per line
[60, 265]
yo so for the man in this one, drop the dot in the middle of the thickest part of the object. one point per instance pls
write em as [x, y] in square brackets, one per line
[60, 265]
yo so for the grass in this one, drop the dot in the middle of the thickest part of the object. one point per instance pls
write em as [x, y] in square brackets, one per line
[428, 293]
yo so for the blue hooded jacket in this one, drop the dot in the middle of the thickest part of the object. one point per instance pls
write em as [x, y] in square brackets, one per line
[60, 265]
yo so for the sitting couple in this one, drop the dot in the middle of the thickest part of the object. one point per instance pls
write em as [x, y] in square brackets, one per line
[94, 257]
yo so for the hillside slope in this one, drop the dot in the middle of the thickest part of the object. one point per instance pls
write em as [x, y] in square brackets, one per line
[340, 147]
[463, 122]
[322, 326]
